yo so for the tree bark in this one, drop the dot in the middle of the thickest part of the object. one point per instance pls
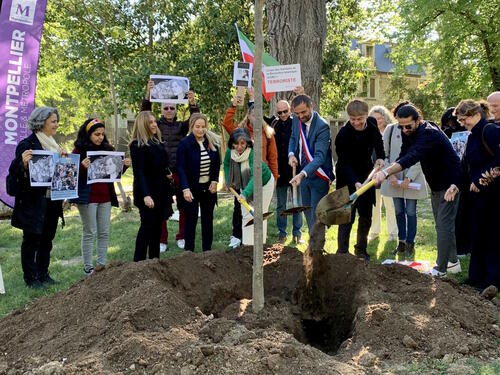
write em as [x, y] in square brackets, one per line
[258, 267]
[296, 34]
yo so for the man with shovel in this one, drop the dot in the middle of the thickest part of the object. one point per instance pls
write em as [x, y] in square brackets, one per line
[425, 143]
[355, 144]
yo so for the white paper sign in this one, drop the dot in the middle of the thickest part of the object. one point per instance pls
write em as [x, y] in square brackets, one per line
[242, 74]
[169, 89]
[105, 166]
[282, 77]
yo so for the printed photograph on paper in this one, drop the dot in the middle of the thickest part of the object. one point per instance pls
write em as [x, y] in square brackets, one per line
[41, 168]
[105, 166]
[242, 74]
[65, 178]
[459, 141]
[169, 89]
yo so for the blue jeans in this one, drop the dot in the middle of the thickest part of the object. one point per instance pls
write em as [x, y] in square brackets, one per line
[406, 218]
[312, 189]
[282, 221]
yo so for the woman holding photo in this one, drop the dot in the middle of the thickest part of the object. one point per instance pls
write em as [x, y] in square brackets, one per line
[151, 187]
[95, 200]
[34, 212]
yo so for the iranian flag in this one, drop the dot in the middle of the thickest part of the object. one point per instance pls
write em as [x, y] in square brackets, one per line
[247, 51]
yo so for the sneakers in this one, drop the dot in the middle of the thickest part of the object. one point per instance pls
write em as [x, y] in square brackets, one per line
[410, 250]
[454, 267]
[372, 236]
[281, 239]
[437, 273]
[163, 247]
[89, 272]
[234, 242]
[298, 240]
[181, 244]
[400, 249]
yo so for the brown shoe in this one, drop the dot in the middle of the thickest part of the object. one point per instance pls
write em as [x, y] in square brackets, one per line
[298, 240]
[281, 239]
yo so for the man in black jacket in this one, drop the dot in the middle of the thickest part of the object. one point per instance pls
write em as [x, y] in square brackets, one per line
[494, 103]
[172, 132]
[355, 144]
[425, 143]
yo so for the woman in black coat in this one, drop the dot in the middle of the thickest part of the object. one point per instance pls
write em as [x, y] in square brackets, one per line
[34, 212]
[481, 155]
[151, 187]
[198, 165]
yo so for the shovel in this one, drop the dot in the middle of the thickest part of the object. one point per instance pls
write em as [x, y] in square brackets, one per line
[250, 209]
[295, 209]
[335, 208]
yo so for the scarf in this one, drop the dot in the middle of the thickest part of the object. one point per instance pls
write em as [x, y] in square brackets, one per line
[48, 143]
[239, 169]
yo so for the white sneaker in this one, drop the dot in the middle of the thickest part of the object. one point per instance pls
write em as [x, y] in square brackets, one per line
[163, 247]
[181, 244]
[372, 236]
[454, 267]
[392, 237]
[437, 273]
[234, 242]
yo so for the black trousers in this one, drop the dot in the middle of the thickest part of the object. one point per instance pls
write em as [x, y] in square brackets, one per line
[35, 248]
[364, 209]
[148, 236]
[205, 200]
[237, 219]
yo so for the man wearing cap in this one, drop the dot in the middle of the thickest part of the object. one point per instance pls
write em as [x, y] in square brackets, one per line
[172, 132]
[425, 143]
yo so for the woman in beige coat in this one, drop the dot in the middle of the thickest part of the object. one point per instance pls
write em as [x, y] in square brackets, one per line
[405, 188]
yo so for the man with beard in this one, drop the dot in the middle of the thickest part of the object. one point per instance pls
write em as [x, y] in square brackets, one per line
[172, 132]
[310, 149]
[424, 142]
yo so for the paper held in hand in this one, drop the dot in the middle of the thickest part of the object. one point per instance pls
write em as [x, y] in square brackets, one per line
[169, 89]
[412, 185]
[242, 74]
[282, 77]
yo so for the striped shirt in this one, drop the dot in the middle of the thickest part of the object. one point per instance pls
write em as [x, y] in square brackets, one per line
[204, 165]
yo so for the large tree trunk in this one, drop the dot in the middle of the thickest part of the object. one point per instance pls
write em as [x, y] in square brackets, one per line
[258, 267]
[296, 34]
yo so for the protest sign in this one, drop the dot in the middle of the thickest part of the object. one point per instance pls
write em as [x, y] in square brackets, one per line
[170, 89]
[242, 74]
[41, 168]
[105, 166]
[282, 77]
[459, 141]
[65, 179]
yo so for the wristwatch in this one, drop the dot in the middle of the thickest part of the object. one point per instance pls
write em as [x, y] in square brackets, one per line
[386, 174]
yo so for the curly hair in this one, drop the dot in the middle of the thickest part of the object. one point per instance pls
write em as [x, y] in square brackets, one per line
[83, 142]
[37, 118]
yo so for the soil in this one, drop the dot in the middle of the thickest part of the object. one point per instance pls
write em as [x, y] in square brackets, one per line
[192, 314]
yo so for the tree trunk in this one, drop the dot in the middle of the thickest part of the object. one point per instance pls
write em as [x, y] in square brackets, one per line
[296, 34]
[258, 268]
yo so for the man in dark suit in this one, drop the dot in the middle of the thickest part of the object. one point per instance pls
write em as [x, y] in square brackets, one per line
[310, 149]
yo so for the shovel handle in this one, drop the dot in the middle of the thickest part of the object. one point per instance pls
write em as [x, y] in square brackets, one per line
[363, 189]
[243, 202]
[294, 188]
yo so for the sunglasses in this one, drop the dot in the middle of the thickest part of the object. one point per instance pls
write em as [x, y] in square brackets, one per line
[282, 112]
[407, 127]
[169, 108]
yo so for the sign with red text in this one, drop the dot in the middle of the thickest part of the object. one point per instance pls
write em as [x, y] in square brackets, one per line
[282, 77]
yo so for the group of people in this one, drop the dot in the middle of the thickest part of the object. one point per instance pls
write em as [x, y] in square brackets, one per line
[403, 152]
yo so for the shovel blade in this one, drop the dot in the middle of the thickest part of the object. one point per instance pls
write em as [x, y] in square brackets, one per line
[336, 216]
[331, 201]
[265, 216]
[294, 210]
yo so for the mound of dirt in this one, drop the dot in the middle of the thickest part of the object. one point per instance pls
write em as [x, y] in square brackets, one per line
[192, 315]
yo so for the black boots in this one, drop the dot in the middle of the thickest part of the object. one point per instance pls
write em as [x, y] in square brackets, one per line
[400, 249]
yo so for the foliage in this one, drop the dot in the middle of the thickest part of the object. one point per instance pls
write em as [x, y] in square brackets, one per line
[342, 68]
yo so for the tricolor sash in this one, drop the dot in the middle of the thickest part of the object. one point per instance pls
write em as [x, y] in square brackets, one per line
[304, 143]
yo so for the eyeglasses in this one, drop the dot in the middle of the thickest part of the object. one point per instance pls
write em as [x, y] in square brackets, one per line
[407, 127]
[169, 108]
[462, 118]
[284, 112]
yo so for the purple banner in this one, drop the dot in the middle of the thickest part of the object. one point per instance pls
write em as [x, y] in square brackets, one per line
[21, 24]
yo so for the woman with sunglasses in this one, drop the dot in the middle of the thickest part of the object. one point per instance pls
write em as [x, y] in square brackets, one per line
[481, 154]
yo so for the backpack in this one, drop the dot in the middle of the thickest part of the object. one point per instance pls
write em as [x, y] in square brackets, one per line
[12, 182]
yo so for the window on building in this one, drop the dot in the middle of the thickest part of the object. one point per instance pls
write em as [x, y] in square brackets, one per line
[372, 87]
[369, 51]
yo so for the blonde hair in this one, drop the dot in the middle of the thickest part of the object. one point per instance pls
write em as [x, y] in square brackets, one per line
[469, 107]
[141, 131]
[265, 126]
[384, 112]
[213, 138]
